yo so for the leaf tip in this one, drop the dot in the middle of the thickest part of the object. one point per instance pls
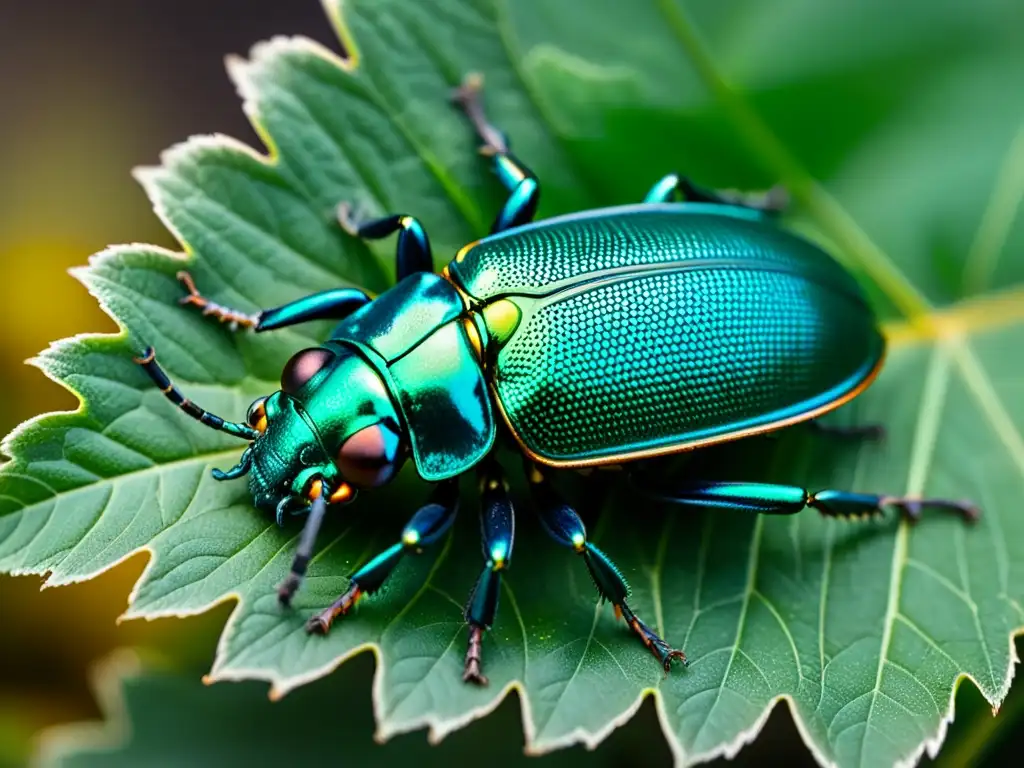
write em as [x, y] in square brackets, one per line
[146, 175]
[35, 361]
[335, 15]
[238, 71]
[174, 156]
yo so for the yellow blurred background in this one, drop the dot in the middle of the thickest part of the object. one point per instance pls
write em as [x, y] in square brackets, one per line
[87, 92]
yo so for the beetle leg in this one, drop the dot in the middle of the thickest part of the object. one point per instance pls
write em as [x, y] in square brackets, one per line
[845, 504]
[426, 526]
[303, 553]
[412, 253]
[674, 187]
[769, 499]
[564, 525]
[333, 304]
[497, 529]
[763, 498]
[233, 318]
[523, 186]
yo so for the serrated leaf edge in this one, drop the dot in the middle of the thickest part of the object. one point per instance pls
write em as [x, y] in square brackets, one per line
[42, 360]
[816, 199]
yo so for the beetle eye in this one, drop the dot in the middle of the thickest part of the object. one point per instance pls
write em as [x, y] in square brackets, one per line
[304, 366]
[257, 416]
[369, 457]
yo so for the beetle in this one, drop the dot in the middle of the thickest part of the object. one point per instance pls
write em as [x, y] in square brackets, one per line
[594, 339]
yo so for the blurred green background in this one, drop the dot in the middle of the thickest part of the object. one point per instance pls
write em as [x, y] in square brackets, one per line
[87, 92]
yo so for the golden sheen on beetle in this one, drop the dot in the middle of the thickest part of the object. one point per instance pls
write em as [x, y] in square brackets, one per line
[600, 338]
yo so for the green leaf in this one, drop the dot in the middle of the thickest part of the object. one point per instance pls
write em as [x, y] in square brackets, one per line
[900, 134]
[147, 706]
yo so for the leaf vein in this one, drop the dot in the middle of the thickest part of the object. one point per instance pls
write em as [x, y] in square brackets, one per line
[576, 671]
[785, 630]
[752, 564]
[998, 217]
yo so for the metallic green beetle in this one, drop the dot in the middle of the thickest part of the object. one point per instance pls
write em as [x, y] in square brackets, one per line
[592, 339]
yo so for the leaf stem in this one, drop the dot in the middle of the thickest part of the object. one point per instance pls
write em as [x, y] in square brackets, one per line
[830, 216]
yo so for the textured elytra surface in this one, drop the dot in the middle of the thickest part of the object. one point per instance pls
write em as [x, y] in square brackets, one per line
[649, 362]
[873, 115]
[548, 255]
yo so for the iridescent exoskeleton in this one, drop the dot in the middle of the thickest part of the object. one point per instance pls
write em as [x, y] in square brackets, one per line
[593, 339]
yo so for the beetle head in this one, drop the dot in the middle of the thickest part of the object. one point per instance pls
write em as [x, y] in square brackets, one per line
[331, 429]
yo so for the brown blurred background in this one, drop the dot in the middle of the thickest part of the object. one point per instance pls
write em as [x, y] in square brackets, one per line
[87, 92]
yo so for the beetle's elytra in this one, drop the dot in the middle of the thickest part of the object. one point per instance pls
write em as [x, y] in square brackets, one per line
[591, 339]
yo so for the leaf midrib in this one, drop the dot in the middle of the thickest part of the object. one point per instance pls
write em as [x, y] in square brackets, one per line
[115, 481]
[834, 219]
[753, 559]
[828, 213]
[934, 389]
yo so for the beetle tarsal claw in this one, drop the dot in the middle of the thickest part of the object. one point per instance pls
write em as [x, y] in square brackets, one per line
[467, 98]
[673, 654]
[345, 218]
[472, 671]
[287, 590]
[232, 317]
[970, 512]
[320, 624]
[472, 674]
[317, 625]
[468, 90]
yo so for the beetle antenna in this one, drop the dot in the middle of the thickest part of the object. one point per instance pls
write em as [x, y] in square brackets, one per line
[156, 373]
